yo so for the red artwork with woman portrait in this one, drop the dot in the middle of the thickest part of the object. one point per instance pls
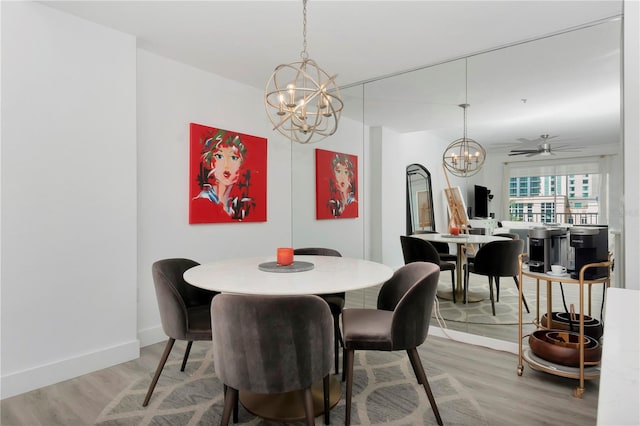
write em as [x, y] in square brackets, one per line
[336, 185]
[227, 177]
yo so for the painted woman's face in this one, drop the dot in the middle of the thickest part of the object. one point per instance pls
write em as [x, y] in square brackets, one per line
[342, 177]
[226, 164]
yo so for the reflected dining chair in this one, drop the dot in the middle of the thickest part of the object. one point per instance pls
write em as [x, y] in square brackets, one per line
[272, 344]
[513, 236]
[400, 323]
[184, 310]
[495, 259]
[334, 300]
[441, 247]
[418, 250]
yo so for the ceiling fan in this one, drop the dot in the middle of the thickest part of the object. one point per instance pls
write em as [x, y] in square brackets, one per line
[544, 147]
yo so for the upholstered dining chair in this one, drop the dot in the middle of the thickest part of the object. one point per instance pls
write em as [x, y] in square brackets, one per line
[400, 323]
[418, 250]
[184, 310]
[334, 300]
[272, 344]
[495, 259]
[443, 248]
[513, 236]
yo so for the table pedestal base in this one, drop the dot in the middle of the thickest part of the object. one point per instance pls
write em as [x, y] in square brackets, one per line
[473, 297]
[289, 406]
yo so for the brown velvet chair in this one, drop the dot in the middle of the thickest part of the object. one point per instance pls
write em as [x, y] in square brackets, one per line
[184, 310]
[418, 250]
[400, 322]
[272, 344]
[495, 259]
[335, 300]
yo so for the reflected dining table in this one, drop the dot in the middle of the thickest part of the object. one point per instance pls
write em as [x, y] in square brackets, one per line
[460, 241]
[307, 275]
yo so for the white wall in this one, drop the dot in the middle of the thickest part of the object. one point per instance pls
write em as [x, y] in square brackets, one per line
[68, 197]
[111, 205]
[346, 234]
[170, 96]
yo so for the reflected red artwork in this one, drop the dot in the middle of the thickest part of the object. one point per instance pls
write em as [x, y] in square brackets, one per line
[227, 176]
[336, 185]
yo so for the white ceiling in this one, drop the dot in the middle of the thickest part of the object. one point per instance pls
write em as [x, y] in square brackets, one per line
[361, 40]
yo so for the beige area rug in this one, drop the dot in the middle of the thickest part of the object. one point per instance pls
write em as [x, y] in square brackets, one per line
[507, 307]
[385, 392]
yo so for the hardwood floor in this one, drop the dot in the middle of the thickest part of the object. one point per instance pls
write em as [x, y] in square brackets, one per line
[504, 397]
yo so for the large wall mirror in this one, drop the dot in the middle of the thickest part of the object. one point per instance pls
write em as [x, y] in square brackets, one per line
[564, 84]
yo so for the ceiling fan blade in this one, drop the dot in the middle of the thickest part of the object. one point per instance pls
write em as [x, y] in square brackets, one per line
[523, 153]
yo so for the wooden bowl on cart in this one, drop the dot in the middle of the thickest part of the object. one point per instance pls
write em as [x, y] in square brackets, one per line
[562, 347]
[562, 321]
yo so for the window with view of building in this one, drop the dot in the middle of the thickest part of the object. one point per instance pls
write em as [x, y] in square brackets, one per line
[546, 198]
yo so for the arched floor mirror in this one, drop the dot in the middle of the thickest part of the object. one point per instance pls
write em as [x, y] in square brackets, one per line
[420, 215]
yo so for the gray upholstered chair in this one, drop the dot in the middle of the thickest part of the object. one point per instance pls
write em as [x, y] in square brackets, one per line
[335, 300]
[272, 344]
[400, 322]
[184, 310]
[418, 250]
[495, 259]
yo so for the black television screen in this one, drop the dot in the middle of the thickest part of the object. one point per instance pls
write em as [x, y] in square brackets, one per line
[481, 201]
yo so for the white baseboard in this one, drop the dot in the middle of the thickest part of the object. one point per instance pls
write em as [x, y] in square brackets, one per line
[45, 375]
[472, 339]
[151, 335]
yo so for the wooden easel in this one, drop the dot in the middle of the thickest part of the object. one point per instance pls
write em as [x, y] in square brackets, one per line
[458, 214]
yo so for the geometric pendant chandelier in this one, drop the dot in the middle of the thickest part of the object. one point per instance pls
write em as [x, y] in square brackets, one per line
[303, 101]
[464, 157]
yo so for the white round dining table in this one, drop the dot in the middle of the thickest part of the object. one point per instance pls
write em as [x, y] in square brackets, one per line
[330, 274]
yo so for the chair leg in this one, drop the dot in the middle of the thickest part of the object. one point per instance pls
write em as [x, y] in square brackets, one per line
[230, 399]
[163, 360]
[415, 369]
[497, 289]
[344, 364]
[337, 339]
[349, 369]
[325, 399]
[186, 355]
[493, 305]
[422, 378]
[524, 300]
[235, 404]
[308, 407]
[465, 296]
[453, 285]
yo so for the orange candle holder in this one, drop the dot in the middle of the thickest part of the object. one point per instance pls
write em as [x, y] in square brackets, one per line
[284, 256]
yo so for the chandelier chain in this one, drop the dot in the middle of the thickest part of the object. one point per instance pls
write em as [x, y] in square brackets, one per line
[466, 97]
[304, 55]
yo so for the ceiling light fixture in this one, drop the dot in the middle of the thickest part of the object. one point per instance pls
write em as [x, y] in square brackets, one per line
[464, 157]
[302, 100]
